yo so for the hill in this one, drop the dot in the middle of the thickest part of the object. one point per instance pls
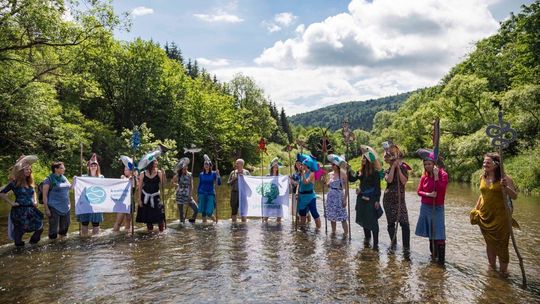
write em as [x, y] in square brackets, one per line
[360, 113]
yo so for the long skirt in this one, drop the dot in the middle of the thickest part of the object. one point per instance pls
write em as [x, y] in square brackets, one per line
[425, 220]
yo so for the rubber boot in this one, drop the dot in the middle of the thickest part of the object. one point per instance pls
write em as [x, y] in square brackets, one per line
[434, 253]
[375, 240]
[367, 236]
[392, 232]
[406, 234]
[441, 248]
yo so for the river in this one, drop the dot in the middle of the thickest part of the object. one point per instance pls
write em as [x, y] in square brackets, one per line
[256, 263]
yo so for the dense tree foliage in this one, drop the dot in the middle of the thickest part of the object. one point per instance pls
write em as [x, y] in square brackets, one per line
[502, 73]
[66, 81]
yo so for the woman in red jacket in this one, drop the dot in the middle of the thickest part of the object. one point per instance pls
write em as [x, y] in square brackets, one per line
[432, 189]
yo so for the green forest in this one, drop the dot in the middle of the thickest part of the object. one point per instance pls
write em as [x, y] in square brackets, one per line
[359, 113]
[66, 82]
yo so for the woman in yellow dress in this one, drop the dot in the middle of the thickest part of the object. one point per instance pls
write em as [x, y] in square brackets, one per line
[490, 213]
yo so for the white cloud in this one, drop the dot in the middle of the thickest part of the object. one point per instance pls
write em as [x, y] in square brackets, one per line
[273, 27]
[219, 17]
[221, 62]
[280, 21]
[141, 11]
[284, 19]
[377, 48]
[410, 34]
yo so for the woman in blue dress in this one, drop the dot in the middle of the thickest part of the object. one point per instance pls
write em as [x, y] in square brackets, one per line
[95, 218]
[307, 200]
[24, 215]
[206, 191]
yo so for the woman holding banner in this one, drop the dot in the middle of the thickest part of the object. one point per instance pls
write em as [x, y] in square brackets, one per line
[96, 218]
[131, 174]
[275, 164]
[206, 191]
[24, 215]
[151, 210]
[233, 182]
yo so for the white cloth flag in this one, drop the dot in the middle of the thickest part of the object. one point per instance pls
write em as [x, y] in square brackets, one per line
[264, 196]
[94, 195]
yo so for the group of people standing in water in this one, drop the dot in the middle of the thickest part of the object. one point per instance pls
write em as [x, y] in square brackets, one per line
[489, 212]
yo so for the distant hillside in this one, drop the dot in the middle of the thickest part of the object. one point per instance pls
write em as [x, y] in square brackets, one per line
[360, 113]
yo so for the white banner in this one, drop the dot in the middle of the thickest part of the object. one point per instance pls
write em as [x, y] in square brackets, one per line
[264, 196]
[95, 195]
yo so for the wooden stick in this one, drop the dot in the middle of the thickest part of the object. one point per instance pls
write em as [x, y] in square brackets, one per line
[509, 213]
[324, 200]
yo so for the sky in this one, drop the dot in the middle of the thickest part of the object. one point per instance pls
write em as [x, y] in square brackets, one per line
[308, 54]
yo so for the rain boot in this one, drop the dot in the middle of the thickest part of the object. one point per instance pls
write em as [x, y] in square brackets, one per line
[441, 254]
[392, 232]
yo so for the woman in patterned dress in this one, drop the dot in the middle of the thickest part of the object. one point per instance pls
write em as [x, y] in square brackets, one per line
[336, 201]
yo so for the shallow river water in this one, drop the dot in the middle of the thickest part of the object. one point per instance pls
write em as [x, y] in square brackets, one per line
[256, 263]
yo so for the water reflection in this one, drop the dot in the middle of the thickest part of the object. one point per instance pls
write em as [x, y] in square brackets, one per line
[257, 263]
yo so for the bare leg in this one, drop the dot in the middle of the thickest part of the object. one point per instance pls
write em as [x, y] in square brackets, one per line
[318, 223]
[127, 221]
[95, 230]
[492, 257]
[504, 269]
[333, 224]
[345, 228]
[84, 230]
[244, 219]
[118, 222]
[233, 218]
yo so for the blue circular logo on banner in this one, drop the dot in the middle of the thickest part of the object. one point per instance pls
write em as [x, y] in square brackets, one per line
[95, 195]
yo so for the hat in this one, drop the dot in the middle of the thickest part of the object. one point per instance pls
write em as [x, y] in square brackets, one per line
[275, 162]
[93, 160]
[182, 163]
[207, 160]
[151, 156]
[24, 161]
[127, 161]
[392, 150]
[369, 153]
[336, 159]
[428, 154]
[311, 163]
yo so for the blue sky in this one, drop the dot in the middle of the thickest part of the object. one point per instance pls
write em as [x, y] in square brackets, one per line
[308, 54]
